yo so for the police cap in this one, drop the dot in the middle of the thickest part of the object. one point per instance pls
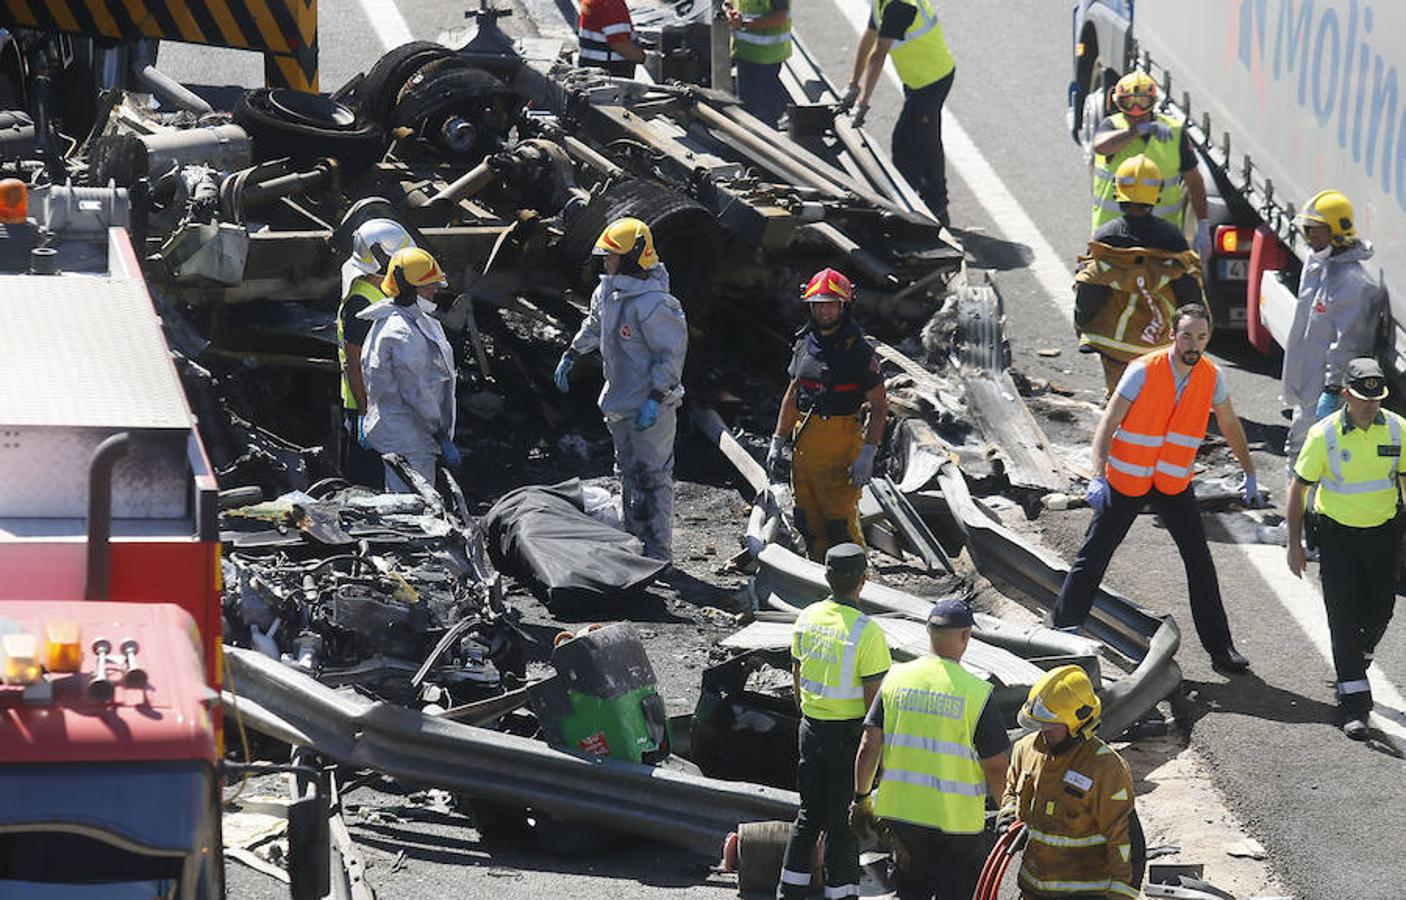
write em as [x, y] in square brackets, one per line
[846, 559]
[951, 613]
[1365, 380]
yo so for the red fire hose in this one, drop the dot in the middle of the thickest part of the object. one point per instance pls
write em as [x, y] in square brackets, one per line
[988, 886]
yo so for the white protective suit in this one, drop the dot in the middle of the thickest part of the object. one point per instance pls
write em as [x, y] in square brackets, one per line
[408, 365]
[640, 331]
[1336, 320]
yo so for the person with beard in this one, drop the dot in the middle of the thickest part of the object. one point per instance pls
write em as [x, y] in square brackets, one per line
[1144, 453]
[834, 372]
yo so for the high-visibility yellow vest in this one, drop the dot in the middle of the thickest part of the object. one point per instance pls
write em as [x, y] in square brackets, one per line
[932, 776]
[826, 641]
[921, 56]
[1167, 156]
[761, 45]
[360, 287]
[1359, 489]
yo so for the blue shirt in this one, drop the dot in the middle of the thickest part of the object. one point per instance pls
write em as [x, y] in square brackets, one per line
[1136, 373]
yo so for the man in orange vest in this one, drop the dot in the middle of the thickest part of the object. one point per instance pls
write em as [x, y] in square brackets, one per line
[1144, 452]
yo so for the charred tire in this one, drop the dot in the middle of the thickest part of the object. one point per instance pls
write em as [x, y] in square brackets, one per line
[378, 92]
[305, 128]
[687, 236]
[441, 90]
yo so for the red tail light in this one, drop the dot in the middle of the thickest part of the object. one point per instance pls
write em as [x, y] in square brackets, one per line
[1233, 241]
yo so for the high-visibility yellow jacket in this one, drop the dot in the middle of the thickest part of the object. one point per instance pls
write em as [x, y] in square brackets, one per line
[1166, 154]
[1076, 806]
[836, 647]
[365, 287]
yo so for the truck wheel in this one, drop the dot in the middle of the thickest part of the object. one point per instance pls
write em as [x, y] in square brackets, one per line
[307, 127]
[443, 90]
[378, 92]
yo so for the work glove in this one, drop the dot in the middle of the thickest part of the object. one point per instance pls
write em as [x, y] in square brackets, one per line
[861, 111]
[1004, 819]
[1157, 129]
[1202, 242]
[361, 433]
[1252, 496]
[861, 820]
[776, 458]
[450, 453]
[1098, 494]
[862, 469]
[647, 415]
[850, 95]
[562, 376]
[1328, 403]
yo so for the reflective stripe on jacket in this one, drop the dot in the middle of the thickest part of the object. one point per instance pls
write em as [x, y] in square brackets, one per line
[1157, 441]
[1360, 488]
[921, 56]
[1076, 806]
[360, 287]
[826, 642]
[1137, 317]
[761, 45]
[931, 774]
[1166, 154]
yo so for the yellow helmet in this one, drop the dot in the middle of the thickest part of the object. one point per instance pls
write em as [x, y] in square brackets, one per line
[630, 238]
[1138, 180]
[1135, 93]
[1062, 696]
[1333, 209]
[416, 266]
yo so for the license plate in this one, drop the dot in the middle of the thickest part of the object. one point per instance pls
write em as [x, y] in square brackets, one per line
[1233, 269]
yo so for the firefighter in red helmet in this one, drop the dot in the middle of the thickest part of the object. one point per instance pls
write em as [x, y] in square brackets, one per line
[834, 373]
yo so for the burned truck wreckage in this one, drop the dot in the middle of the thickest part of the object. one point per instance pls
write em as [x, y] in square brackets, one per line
[383, 630]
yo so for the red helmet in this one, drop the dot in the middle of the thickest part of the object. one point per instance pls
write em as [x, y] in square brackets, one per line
[827, 285]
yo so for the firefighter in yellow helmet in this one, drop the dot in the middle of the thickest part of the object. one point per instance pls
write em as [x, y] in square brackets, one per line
[640, 330]
[1138, 270]
[1336, 320]
[408, 366]
[1137, 128]
[1075, 795]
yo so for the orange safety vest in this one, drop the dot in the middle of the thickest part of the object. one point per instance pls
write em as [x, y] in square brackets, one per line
[1157, 442]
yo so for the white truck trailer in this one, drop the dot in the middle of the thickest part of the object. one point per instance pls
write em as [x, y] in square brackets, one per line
[1282, 98]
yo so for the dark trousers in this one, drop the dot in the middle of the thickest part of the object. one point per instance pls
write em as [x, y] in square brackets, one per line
[1110, 525]
[759, 88]
[1358, 569]
[825, 781]
[940, 865]
[917, 143]
[359, 465]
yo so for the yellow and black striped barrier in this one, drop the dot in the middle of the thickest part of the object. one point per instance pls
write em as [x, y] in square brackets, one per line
[285, 31]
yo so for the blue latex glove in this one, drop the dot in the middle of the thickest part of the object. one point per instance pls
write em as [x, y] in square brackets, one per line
[1328, 403]
[361, 433]
[562, 376]
[862, 469]
[1252, 495]
[1158, 129]
[1098, 494]
[648, 414]
[450, 453]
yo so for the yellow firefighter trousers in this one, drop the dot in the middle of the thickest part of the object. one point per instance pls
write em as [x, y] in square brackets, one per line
[827, 505]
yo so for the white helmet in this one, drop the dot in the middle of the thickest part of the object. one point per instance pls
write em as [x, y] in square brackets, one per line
[387, 234]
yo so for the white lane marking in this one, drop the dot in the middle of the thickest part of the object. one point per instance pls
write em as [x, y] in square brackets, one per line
[991, 192]
[387, 22]
[1302, 600]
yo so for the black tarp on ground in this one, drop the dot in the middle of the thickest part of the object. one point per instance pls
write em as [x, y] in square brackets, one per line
[542, 533]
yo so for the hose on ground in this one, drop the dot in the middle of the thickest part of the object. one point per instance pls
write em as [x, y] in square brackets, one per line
[988, 886]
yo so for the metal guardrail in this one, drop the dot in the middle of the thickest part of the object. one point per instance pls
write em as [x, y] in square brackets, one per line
[654, 801]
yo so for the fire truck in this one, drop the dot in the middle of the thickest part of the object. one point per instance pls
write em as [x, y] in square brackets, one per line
[110, 738]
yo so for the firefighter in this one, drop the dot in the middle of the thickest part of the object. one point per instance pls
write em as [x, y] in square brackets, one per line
[1337, 317]
[909, 31]
[761, 42]
[838, 658]
[1144, 453]
[607, 38]
[1354, 457]
[1138, 271]
[373, 244]
[834, 372]
[640, 331]
[408, 367]
[944, 748]
[1075, 795]
[1137, 128]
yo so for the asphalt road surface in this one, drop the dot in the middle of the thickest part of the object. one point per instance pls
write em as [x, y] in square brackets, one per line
[1331, 813]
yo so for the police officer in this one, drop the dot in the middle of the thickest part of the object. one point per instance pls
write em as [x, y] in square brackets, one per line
[1075, 795]
[944, 749]
[834, 372]
[1354, 456]
[1137, 128]
[838, 659]
[761, 42]
[640, 331]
